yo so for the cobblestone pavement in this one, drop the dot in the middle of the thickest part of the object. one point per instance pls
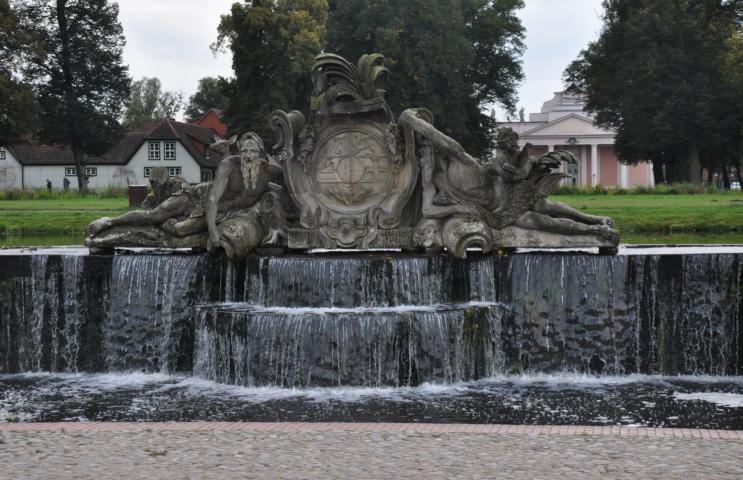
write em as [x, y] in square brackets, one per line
[218, 450]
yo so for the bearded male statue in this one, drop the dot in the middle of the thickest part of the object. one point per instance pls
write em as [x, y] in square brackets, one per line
[244, 209]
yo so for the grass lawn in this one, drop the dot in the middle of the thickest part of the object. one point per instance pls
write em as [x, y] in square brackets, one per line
[640, 218]
[56, 217]
[705, 213]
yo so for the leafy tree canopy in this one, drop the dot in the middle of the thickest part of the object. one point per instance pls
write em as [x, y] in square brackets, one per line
[273, 44]
[149, 103]
[656, 76]
[18, 107]
[81, 81]
[208, 95]
[455, 57]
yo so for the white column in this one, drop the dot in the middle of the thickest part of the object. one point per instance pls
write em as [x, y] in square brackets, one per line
[595, 174]
[624, 175]
[550, 148]
[583, 165]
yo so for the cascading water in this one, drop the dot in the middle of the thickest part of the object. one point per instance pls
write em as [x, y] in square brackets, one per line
[374, 318]
[349, 282]
[149, 327]
[294, 347]
[371, 321]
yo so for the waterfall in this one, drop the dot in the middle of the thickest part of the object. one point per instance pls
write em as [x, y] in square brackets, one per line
[148, 327]
[349, 282]
[655, 314]
[294, 347]
[373, 318]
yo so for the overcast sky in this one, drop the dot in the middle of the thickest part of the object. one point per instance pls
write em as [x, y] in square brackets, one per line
[170, 39]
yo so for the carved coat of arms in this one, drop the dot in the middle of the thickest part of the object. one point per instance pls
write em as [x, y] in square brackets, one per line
[346, 172]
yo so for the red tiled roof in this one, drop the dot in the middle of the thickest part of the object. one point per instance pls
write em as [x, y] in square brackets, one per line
[38, 154]
[195, 138]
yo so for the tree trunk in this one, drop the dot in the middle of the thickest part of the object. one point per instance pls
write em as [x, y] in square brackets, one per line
[693, 165]
[740, 168]
[658, 175]
[69, 88]
[725, 175]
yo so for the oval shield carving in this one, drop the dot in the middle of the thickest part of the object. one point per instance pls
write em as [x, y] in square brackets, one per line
[352, 169]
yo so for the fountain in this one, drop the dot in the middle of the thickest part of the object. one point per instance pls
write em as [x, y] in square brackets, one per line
[364, 252]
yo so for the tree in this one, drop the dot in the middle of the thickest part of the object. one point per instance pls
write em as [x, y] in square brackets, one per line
[654, 75]
[273, 44]
[455, 57]
[18, 107]
[208, 95]
[81, 83]
[148, 103]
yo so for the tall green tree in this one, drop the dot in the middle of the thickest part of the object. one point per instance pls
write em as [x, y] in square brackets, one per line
[655, 75]
[149, 103]
[455, 57]
[81, 83]
[18, 107]
[208, 95]
[273, 44]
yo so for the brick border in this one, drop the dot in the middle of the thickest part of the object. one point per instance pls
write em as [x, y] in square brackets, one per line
[564, 430]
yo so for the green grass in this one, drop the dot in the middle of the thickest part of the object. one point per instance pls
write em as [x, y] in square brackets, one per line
[56, 216]
[641, 218]
[701, 213]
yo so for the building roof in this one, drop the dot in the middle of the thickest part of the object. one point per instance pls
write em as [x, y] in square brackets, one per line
[195, 139]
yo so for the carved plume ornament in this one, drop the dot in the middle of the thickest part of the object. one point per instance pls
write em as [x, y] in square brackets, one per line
[350, 176]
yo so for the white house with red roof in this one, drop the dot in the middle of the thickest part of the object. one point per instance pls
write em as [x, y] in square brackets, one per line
[182, 148]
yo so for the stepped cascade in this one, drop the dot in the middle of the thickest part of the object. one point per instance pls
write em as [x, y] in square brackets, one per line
[372, 319]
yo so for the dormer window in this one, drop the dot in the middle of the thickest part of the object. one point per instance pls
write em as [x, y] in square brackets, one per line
[154, 150]
[2, 153]
[169, 150]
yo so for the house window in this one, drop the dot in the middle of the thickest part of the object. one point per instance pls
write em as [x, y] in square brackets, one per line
[206, 175]
[169, 150]
[2, 153]
[154, 150]
[173, 171]
[147, 171]
[70, 172]
[91, 171]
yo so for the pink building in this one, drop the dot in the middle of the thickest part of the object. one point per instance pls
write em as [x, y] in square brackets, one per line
[563, 125]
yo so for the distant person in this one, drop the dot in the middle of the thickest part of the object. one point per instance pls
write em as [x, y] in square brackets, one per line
[66, 184]
[48, 184]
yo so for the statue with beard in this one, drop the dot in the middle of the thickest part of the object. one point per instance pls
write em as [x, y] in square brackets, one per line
[244, 209]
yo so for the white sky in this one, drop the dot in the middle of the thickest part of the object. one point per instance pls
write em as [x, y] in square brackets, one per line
[170, 39]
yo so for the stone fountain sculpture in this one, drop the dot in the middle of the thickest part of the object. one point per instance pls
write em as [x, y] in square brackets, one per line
[350, 176]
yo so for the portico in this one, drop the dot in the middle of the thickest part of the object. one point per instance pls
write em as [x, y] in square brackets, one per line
[562, 125]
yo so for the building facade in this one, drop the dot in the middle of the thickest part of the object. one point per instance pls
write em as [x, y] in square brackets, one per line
[182, 148]
[563, 125]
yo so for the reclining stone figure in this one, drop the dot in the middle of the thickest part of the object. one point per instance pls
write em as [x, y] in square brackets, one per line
[484, 203]
[172, 217]
[239, 211]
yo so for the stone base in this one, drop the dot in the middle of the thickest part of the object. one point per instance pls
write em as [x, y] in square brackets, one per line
[304, 239]
[516, 237]
[507, 239]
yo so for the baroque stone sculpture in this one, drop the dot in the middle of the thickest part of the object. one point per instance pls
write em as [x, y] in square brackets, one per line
[349, 176]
